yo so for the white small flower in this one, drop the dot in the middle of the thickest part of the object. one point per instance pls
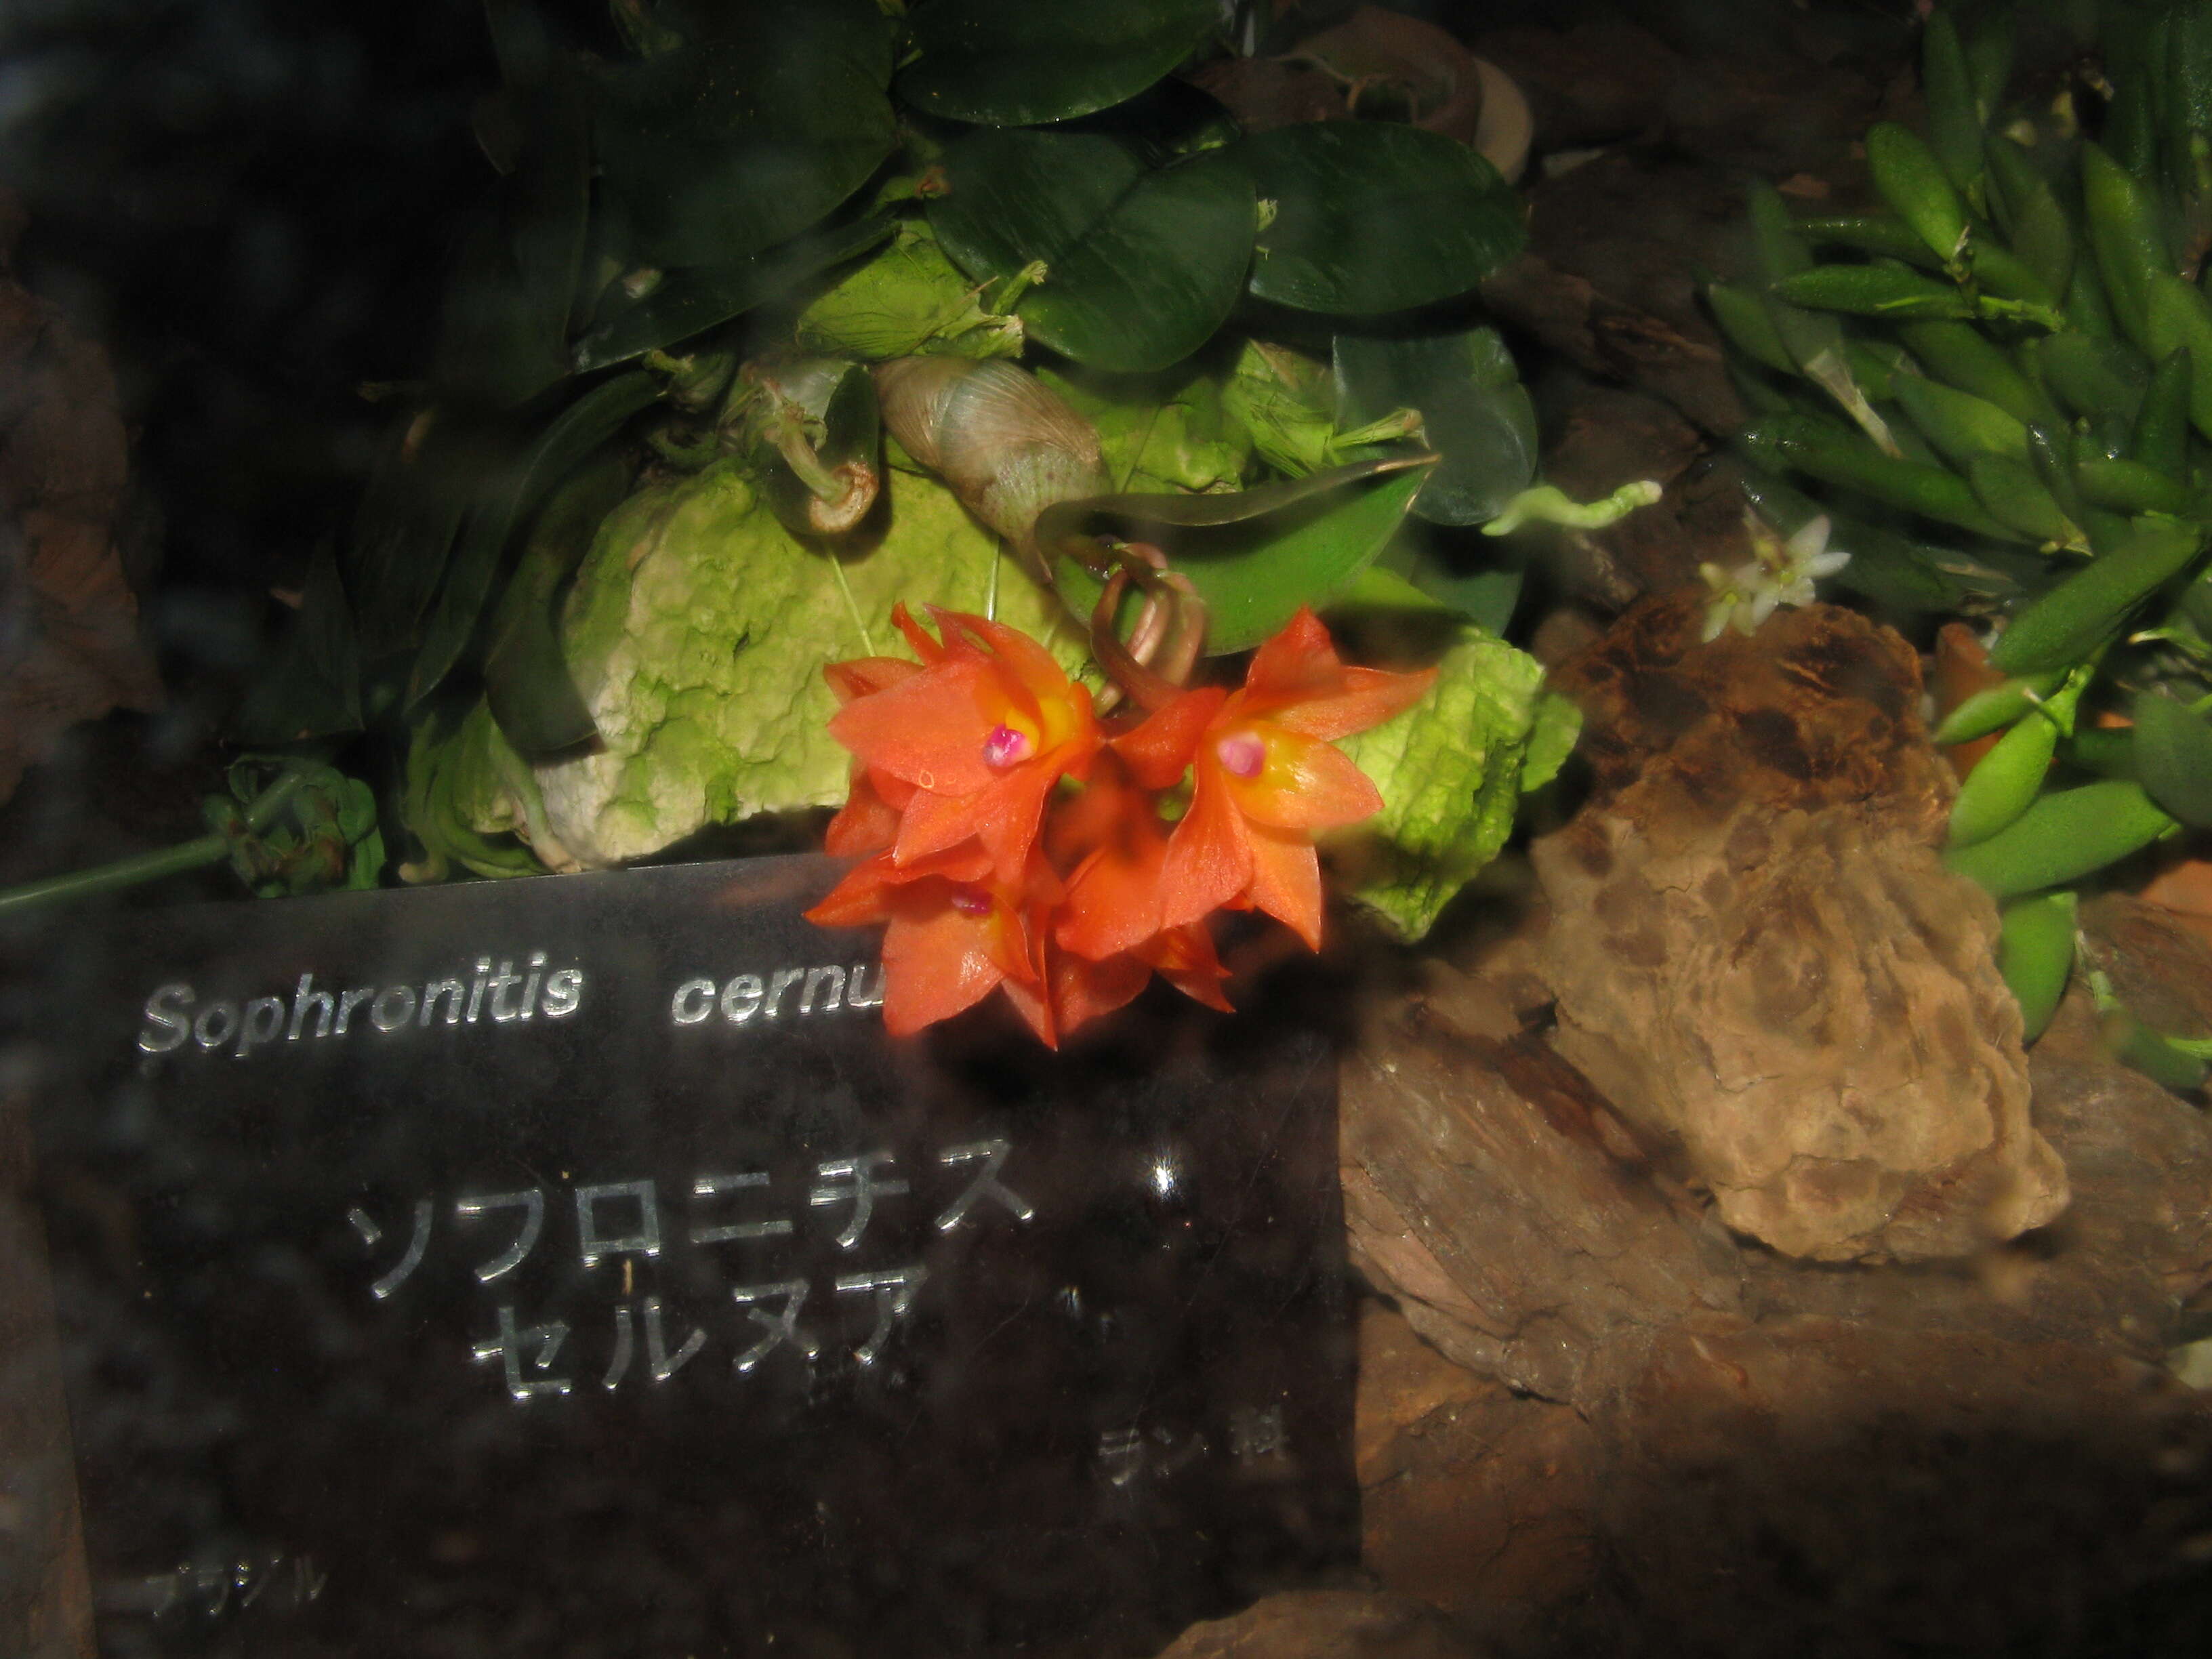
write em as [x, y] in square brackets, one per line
[1780, 573]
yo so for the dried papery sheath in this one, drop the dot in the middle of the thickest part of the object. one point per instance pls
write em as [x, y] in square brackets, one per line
[1007, 445]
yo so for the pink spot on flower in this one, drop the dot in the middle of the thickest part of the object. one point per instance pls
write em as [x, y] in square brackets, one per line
[971, 901]
[1242, 754]
[1005, 747]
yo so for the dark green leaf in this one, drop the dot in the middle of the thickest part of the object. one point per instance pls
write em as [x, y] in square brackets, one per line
[560, 449]
[1474, 413]
[2173, 757]
[1372, 217]
[434, 463]
[1141, 266]
[1481, 584]
[1256, 556]
[503, 336]
[527, 679]
[315, 689]
[1016, 62]
[775, 115]
[689, 302]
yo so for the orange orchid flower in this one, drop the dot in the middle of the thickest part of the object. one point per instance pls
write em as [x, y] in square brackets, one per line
[868, 821]
[1265, 775]
[979, 731]
[955, 934]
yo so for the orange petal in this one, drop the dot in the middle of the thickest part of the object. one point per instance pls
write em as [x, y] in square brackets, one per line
[1305, 784]
[1209, 856]
[1114, 897]
[1158, 749]
[934, 966]
[1082, 991]
[866, 676]
[1031, 1003]
[924, 646]
[1362, 697]
[1298, 662]
[866, 823]
[1287, 881]
[1186, 959]
[927, 729]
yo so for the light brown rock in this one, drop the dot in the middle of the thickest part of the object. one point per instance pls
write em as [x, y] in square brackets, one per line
[1769, 969]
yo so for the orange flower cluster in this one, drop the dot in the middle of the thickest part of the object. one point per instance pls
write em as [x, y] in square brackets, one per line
[1012, 841]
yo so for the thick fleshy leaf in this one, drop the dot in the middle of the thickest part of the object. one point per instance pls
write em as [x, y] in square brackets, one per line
[2173, 757]
[1015, 63]
[503, 336]
[560, 449]
[526, 680]
[1475, 414]
[689, 302]
[1142, 265]
[772, 117]
[1256, 556]
[314, 690]
[1370, 216]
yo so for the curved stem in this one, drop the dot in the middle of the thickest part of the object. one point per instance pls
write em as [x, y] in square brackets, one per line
[1148, 691]
[149, 866]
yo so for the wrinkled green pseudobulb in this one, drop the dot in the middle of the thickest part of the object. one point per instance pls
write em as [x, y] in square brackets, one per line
[698, 631]
[1451, 770]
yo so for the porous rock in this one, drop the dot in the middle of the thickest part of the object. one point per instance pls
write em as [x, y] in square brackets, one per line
[1769, 969]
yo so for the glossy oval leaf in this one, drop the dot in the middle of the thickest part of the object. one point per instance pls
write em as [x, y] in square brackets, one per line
[1016, 62]
[1370, 216]
[1142, 265]
[773, 116]
[563, 447]
[1256, 556]
[1475, 414]
[2173, 757]
[689, 302]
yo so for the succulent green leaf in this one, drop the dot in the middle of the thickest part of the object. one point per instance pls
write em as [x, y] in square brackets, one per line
[2173, 757]
[689, 302]
[1141, 265]
[1451, 770]
[1256, 556]
[2062, 625]
[1370, 216]
[1015, 63]
[2035, 954]
[773, 116]
[1475, 414]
